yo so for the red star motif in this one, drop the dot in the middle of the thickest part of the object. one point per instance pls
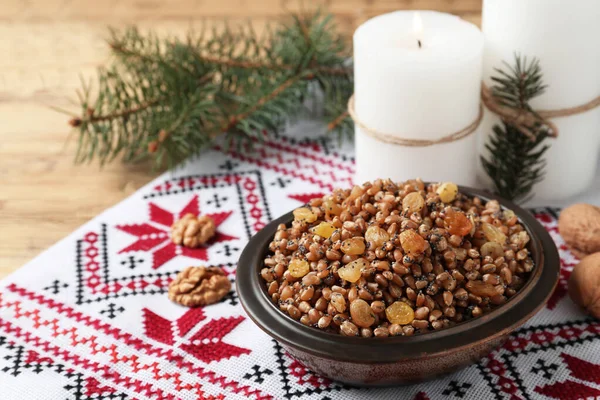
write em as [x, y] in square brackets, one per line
[580, 369]
[206, 344]
[154, 236]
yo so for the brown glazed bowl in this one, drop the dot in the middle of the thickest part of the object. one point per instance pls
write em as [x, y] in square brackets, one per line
[400, 359]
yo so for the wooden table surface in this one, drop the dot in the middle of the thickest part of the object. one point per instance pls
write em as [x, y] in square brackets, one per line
[45, 46]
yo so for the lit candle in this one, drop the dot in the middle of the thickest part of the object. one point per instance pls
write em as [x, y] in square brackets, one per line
[564, 37]
[417, 76]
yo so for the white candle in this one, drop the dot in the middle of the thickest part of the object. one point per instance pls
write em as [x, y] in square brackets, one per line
[564, 36]
[414, 92]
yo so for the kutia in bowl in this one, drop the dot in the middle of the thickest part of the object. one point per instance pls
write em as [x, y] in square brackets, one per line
[395, 282]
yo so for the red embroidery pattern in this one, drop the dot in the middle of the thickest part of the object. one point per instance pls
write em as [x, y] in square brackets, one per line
[305, 197]
[206, 344]
[580, 369]
[253, 199]
[157, 240]
[302, 161]
[304, 376]
[190, 378]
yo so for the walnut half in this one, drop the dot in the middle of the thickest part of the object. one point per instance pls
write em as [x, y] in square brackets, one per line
[199, 286]
[191, 231]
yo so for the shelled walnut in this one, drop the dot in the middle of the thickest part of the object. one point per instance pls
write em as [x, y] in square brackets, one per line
[199, 286]
[191, 231]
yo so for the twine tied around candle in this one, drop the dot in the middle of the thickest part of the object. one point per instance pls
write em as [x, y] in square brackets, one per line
[528, 121]
[384, 137]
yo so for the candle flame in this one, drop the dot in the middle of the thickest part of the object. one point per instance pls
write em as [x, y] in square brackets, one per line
[418, 26]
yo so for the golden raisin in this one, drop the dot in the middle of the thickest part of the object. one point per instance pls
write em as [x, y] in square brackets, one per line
[376, 235]
[491, 249]
[480, 288]
[457, 223]
[447, 191]
[492, 233]
[400, 313]
[356, 192]
[332, 208]
[351, 272]
[324, 229]
[304, 214]
[338, 301]
[413, 202]
[298, 268]
[353, 246]
[508, 214]
[361, 313]
[412, 243]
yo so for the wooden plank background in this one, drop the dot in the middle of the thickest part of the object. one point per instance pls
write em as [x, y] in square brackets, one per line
[45, 45]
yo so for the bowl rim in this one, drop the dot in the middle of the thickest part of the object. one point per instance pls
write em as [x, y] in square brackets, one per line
[500, 321]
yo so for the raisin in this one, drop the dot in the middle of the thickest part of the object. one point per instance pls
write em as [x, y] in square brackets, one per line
[332, 208]
[457, 223]
[298, 268]
[352, 272]
[413, 203]
[338, 301]
[480, 288]
[492, 233]
[491, 249]
[447, 191]
[361, 313]
[353, 246]
[304, 214]
[376, 235]
[400, 313]
[412, 243]
[324, 229]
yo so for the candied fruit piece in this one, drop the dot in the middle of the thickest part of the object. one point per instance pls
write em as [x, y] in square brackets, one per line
[332, 208]
[376, 235]
[304, 214]
[324, 229]
[413, 202]
[491, 249]
[298, 268]
[353, 246]
[362, 314]
[492, 233]
[400, 313]
[457, 223]
[351, 272]
[447, 191]
[412, 243]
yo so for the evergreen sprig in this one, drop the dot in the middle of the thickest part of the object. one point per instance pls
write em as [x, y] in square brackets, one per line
[171, 98]
[515, 163]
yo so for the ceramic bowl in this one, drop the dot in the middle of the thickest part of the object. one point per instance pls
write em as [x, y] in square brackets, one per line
[400, 359]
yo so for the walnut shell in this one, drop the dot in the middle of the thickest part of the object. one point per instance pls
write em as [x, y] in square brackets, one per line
[579, 226]
[584, 284]
[199, 286]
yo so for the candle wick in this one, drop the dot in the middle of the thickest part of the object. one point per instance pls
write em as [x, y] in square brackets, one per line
[419, 42]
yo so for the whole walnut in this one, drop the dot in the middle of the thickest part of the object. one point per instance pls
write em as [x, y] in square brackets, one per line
[579, 225]
[584, 284]
[191, 231]
[199, 286]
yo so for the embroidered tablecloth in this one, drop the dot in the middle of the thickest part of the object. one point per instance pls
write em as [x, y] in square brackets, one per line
[90, 318]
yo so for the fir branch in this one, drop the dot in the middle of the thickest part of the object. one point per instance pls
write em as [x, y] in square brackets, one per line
[170, 98]
[515, 162]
